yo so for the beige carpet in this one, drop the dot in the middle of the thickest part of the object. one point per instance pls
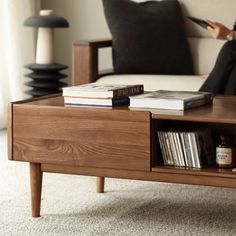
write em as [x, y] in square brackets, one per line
[70, 206]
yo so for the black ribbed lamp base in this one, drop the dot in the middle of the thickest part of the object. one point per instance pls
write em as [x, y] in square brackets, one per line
[45, 79]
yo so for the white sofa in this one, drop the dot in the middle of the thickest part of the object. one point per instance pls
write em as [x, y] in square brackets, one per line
[203, 47]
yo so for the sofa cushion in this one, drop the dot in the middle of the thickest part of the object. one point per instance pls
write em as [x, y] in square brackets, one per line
[156, 82]
[148, 37]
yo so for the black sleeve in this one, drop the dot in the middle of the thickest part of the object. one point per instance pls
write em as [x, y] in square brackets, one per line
[234, 28]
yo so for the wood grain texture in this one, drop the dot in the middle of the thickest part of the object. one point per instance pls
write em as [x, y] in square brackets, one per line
[82, 137]
[210, 172]
[41, 99]
[10, 132]
[85, 61]
[36, 188]
[85, 64]
[100, 182]
[95, 43]
[169, 177]
[223, 111]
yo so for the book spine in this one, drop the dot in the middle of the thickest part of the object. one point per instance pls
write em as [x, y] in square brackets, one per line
[168, 149]
[120, 102]
[194, 165]
[187, 146]
[180, 149]
[184, 149]
[178, 153]
[196, 150]
[173, 149]
[187, 149]
[207, 99]
[129, 91]
[163, 151]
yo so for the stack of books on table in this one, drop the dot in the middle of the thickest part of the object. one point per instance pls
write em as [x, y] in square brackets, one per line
[94, 94]
[173, 100]
[187, 148]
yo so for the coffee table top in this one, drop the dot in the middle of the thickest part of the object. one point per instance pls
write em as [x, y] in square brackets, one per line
[222, 111]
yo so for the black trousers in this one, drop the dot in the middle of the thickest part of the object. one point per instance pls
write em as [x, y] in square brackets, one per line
[222, 79]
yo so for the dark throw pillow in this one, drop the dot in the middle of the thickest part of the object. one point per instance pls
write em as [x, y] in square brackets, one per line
[148, 37]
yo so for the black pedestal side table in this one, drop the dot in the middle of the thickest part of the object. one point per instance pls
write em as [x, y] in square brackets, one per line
[45, 79]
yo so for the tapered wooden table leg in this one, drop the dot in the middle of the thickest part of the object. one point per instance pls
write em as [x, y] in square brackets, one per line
[36, 176]
[100, 181]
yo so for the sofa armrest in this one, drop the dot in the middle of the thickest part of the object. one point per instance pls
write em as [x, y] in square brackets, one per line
[85, 60]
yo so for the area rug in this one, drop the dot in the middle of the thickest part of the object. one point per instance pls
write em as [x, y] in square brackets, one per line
[71, 206]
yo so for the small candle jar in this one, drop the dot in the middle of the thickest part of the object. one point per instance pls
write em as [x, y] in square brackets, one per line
[225, 152]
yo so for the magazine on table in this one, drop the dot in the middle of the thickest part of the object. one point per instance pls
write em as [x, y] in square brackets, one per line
[166, 99]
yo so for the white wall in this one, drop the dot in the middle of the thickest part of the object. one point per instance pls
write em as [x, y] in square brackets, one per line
[86, 20]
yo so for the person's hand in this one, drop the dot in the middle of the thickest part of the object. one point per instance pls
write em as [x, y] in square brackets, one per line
[218, 30]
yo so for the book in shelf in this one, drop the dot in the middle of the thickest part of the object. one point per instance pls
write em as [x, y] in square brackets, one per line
[192, 149]
[95, 90]
[166, 99]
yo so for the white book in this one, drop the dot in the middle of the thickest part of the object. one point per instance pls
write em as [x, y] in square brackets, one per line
[195, 150]
[176, 100]
[96, 90]
[110, 102]
[194, 164]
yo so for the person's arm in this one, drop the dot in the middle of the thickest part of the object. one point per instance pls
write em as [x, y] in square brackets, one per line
[220, 31]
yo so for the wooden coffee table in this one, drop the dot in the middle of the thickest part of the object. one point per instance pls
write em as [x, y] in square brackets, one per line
[108, 142]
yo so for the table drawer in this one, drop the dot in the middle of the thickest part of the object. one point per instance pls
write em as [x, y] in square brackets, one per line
[108, 138]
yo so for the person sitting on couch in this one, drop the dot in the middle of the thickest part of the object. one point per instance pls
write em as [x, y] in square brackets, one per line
[222, 79]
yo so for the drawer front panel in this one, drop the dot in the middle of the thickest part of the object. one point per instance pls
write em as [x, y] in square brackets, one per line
[107, 138]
